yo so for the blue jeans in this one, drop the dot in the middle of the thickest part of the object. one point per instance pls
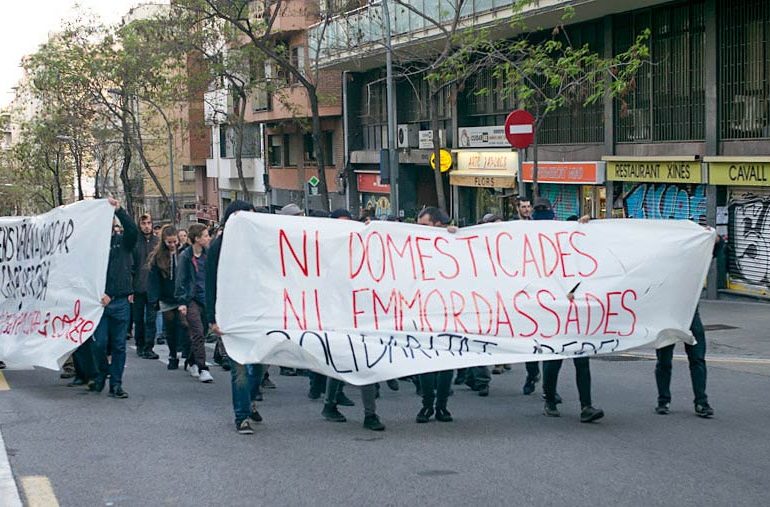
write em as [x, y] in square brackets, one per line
[111, 332]
[245, 380]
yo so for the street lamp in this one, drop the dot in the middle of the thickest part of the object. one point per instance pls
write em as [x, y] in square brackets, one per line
[116, 91]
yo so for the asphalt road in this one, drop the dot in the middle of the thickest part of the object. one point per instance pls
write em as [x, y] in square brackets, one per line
[173, 443]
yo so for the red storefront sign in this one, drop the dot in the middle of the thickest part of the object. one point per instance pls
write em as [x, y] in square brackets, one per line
[564, 172]
[370, 182]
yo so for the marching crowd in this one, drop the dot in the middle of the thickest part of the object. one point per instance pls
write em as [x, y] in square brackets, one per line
[162, 289]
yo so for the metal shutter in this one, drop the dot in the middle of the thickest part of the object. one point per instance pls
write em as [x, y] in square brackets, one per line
[749, 240]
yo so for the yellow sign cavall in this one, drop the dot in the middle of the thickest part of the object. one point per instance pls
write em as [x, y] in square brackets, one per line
[663, 171]
[748, 173]
[445, 163]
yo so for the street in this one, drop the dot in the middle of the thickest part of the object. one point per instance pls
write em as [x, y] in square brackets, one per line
[172, 442]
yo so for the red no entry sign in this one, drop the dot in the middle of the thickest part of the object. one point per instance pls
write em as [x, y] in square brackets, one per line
[520, 128]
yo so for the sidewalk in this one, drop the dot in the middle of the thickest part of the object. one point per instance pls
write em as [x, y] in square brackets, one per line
[735, 330]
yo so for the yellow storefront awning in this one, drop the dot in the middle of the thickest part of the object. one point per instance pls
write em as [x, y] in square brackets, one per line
[486, 179]
[739, 171]
[684, 169]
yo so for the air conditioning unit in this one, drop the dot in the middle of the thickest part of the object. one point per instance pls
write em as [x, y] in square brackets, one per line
[407, 136]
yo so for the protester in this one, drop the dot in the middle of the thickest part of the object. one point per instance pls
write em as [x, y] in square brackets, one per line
[524, 209]
[696, 357]
[334, 394]
[161, 287]
[110, 333]
[245, 378]
[435, 386]
[182, 237]
[588, 413]
[156, 229]
[143, 312]
[191, 296]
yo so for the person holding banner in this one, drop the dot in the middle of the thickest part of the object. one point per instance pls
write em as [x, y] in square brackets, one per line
[161, 289]
[435, 385]
[544, 211]
[245, 378]
[110, 333]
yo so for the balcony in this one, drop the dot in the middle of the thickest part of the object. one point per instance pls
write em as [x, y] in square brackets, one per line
[355, 39]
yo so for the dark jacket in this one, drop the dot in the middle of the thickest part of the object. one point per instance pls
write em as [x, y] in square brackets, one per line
[144, 246]
[212, 268]
[120, 269]
[185, 278]
[161, 287]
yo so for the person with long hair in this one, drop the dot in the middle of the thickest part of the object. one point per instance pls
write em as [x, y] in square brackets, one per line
[161, 282]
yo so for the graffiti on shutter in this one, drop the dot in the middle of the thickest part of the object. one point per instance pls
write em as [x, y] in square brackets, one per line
[749, 236]
[662, 201]
[565, 199]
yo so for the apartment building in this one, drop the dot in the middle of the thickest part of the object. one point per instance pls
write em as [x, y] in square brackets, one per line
[690, 141]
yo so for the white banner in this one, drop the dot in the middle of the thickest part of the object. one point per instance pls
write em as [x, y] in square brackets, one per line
[368, 303]
[53, 269]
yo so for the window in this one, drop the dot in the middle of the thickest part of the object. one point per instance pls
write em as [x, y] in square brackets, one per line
[289, 155]
[252, 142]
[667, 100]
[275, 150]
[328, 138]
[744, 72]
[188, 173]
[297, 59]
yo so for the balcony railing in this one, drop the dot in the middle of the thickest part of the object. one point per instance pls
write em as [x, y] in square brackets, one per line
[363, 29]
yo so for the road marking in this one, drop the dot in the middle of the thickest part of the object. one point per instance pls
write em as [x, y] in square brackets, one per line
[8, 492]
[709, 359]
[4, 383]
[38, 491]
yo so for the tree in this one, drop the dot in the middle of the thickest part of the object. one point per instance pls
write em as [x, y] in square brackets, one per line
[255, 22]
[545, 71]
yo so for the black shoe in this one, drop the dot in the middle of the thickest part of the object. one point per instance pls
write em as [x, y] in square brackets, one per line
[344, 401]
[225, 364]
[372, 422]
[255, 416]
[77, 382]
[119, 393]
[393, 384]
[96, 386]
[550, 410]
[556, 398]
[313, 395]
[484, 391]
[173, 363]
[497, 370]
[268, 384]
[529, 386]
[161, 340]
[663, 408]
[443, 415]
[591, 414]
[65, 374]
[288, 372]
[330, 413]
[150, 354]
[704, 410]
[140, 353]
[424, 414]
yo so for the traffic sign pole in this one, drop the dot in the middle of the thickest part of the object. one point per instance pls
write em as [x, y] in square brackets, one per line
[520, 132]
[519, 175]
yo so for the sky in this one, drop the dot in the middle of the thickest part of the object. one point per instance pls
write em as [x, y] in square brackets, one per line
[24, 26]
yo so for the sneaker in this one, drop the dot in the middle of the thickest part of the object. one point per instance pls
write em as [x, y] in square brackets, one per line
[244, 427]
[67, 373]
[77, 382]
[258, 396]
[205, 377]
[393, 384]
[484, 391]
[161, 340]
[556, 398]
[119, 393]
[529, 386]
[507, 366]
[96, 386]
[173, 363]
[194, 371]
[226, 364]
[591, 414]
[497, 370]
[344, 401]
[443, 415]
[330, 413]
[150, 354]
[254, 416]
[704, 410]
[313, 395]
[424, 414]
[268, 384]
[372, 422]
[550, 410]
[663, 408]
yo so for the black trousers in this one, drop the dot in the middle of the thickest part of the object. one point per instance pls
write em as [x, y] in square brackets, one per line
[144, 322]
[83, 359]
[696, 357]
[435, 388]
[582, 377]
[533, 369]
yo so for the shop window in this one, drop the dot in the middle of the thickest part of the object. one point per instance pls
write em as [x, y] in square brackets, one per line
[744, 71]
